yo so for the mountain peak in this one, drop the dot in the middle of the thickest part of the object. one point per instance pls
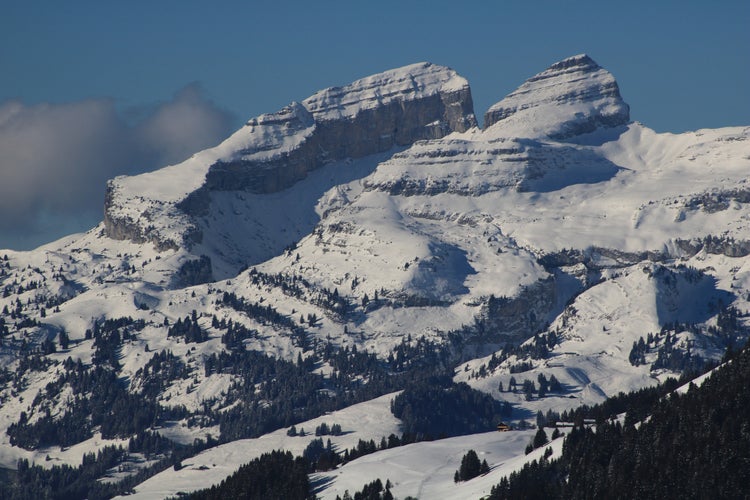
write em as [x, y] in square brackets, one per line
[274, 151]
[578, 60]
[408, 83]
[571, 97]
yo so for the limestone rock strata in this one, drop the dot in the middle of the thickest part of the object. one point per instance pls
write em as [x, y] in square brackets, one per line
[571, 97]
[396, 108]
[274, 151]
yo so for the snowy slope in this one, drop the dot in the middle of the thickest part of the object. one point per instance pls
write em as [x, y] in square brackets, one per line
[274, 151]
[370, 420]
[562, 219]
[425, 470]
[571, 97]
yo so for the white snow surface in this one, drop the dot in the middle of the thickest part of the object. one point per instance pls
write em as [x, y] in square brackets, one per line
[370, 420]
[425, 470]
[558, 101]
[427, 235]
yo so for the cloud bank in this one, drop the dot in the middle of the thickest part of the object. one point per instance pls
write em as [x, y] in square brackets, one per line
[56, 158]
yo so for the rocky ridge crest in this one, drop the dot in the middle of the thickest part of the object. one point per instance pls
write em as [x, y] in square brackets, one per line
[274, 151]
[572, 97]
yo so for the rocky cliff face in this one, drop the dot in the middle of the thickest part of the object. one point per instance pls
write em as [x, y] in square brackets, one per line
[504, 319]
[571, 97]
[395, 108]
[274, 151]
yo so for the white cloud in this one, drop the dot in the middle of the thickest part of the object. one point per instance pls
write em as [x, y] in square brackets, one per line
[179, 128]
[55, 158]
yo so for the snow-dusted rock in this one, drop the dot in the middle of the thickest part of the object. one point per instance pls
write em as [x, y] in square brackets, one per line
[572, 97]
[274, 151]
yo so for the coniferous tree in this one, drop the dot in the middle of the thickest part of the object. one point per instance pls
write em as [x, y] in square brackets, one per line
[64, 339]
[484, 468]
[540, 439]
[470, 466]
[690, 446]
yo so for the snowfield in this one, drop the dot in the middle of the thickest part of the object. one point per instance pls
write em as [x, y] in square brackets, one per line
[370, 420]
[425, 470]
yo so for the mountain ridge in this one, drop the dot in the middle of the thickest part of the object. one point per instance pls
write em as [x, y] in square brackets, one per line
[274, 151]
[611, 258]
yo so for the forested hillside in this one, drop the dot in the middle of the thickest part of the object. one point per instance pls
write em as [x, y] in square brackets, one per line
[695, 444]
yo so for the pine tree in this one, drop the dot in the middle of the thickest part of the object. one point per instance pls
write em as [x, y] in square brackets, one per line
[64, 339]
[484, 468]
[540, 439]
[470, 466]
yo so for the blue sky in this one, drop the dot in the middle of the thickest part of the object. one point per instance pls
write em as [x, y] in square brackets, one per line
[126, 69]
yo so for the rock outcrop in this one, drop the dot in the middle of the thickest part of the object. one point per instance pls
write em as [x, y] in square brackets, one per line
[396, 108]
[572, 97]
[481, 164]
[505, 319]
[274, 151]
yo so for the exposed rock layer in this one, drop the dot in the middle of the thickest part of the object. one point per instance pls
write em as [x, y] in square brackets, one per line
[273, 152]
[576, 93]
[399, 119]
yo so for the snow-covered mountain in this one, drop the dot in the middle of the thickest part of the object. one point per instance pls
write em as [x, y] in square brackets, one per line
[572, 97]
[561, 241]
[177, 205]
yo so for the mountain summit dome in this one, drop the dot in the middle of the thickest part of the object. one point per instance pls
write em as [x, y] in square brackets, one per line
[572, 97]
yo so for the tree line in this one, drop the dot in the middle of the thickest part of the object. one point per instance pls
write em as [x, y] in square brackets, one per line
[692, 445]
